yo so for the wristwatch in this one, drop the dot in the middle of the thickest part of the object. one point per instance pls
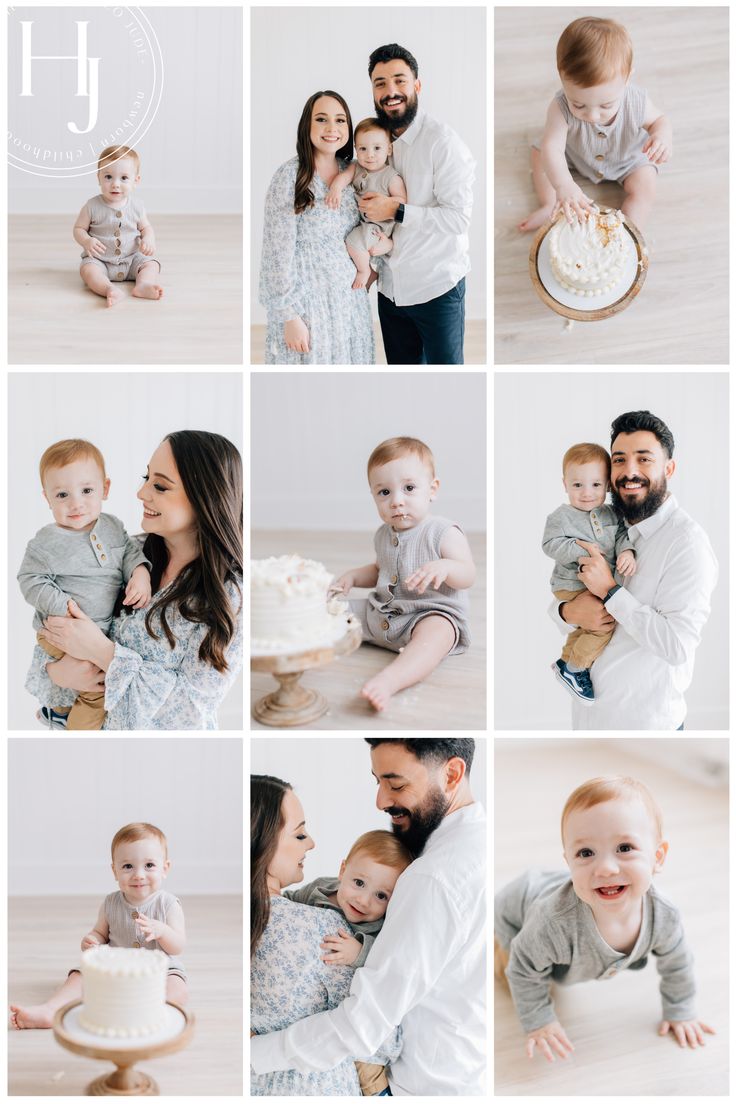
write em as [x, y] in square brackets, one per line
[612, 591]
[399, 216]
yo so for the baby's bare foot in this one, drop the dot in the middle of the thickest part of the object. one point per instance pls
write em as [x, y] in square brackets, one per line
[38, 1015]
[113, 295]
[379, 690]
[148, 291]
[537, 219]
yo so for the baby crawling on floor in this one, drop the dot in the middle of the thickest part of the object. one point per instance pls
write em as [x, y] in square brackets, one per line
[114, 231]
[422, 572]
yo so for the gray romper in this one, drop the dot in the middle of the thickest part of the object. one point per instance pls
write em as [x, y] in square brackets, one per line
[123, 932]
[117, 229]
[389, 614]
[607, 152]
[366, 233]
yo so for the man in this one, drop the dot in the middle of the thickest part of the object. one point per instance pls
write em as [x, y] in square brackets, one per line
[426, 970]
[421, 300]
[641, 677]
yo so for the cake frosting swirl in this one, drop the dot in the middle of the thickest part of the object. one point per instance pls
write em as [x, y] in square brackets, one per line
[588, 258]
[124, 991]
[289, 605]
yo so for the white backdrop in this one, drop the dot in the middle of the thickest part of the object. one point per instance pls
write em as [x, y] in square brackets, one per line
[312, 435]
[191, 158]
[68, 797]
[537, 417]
[332, 779]
[126, 415]
[313, 48]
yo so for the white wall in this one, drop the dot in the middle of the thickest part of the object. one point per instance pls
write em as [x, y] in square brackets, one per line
[191, 158]
[329, 48]
[126, 415]
[537, 417]
[68, 797]
[312, 435]
[332, 779]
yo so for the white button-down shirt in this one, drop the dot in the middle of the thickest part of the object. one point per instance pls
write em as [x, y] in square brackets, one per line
[641, 676]
[426, 971]
[431, 251]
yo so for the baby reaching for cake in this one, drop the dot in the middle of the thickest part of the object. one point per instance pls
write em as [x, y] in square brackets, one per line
[600, 125]
[360, 894]
[140, 914]
[422, 572]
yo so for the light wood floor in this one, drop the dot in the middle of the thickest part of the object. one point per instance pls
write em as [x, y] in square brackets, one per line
[613, 1024]
[43, 944]
[54, 319]
[453, 697]
[681, 315]
[475, 344]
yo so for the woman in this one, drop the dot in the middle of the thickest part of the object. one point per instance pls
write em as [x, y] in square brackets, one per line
[314, 315]
[170, 665]
[288, 978]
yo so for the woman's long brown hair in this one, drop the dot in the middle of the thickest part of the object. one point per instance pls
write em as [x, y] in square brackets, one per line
[211, 473]
[266, 821]
[303, 194]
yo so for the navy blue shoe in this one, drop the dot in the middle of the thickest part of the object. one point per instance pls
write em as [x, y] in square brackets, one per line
[49, 718]
[577, 682]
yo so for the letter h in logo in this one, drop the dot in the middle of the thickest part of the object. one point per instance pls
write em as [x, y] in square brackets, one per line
[87, 71]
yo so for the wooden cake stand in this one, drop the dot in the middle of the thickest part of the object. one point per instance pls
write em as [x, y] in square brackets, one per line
[124, 1080]
[293, 704]
[598, 313]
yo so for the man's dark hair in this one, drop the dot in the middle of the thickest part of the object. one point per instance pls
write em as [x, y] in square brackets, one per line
[434, 751]
[637, 420]
[392, 52]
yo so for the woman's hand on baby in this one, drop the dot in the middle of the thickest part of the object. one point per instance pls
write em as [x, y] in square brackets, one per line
[686, 1032]
[296, 336]
[573, 203]
[152, 929]
[341, 949]
[626, 563]
[138, 590]
[432, 574]
[76, 635]
[548, 1038]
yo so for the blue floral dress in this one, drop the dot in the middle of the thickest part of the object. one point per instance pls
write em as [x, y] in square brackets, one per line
[288, 981]
[150, 685]
[306, 272]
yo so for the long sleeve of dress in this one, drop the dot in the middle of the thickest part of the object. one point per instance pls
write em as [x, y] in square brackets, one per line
[278, 286]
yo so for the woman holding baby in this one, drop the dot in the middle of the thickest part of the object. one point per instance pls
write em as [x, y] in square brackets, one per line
[167, 666]
[314, 314]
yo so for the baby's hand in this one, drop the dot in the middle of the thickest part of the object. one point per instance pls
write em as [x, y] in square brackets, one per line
[334, 196]
[341, 949]
[626, 563]
[657, 149]
[573, 202]
[138, 590]
[432, 574]
[343, 585]
[91, 939]
[148, 245]
[550, 1037]
[95, 248]
[152, 929]
[690, 1030]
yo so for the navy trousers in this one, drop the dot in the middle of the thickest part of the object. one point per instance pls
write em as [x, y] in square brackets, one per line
[428, 333]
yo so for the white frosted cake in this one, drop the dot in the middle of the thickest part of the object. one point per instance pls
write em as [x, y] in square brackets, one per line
[289, 608]
[124, 991]
[588, 258]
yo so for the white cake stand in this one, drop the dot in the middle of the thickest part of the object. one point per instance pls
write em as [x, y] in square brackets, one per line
[578, 307]
[123, 1053]
[292, 704]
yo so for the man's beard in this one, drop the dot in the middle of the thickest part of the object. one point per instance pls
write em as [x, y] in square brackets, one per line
[422, 821]
[632, 511]
[399, 122]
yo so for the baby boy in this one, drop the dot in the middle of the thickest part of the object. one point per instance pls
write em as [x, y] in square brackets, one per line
[360, 893]
[140, 914]
[372, 173]
[85, 557]
[422, 570]
[586, 475]
[114, 231]
[600, 125]
[602, 917]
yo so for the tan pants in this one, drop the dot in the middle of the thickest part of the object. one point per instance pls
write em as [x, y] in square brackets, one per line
[500, 962]
[372, 1077]
[88, 712]
[582, 646]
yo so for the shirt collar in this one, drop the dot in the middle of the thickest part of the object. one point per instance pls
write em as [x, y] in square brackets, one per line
[649, 526]
[467, 815]
[412, 132]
